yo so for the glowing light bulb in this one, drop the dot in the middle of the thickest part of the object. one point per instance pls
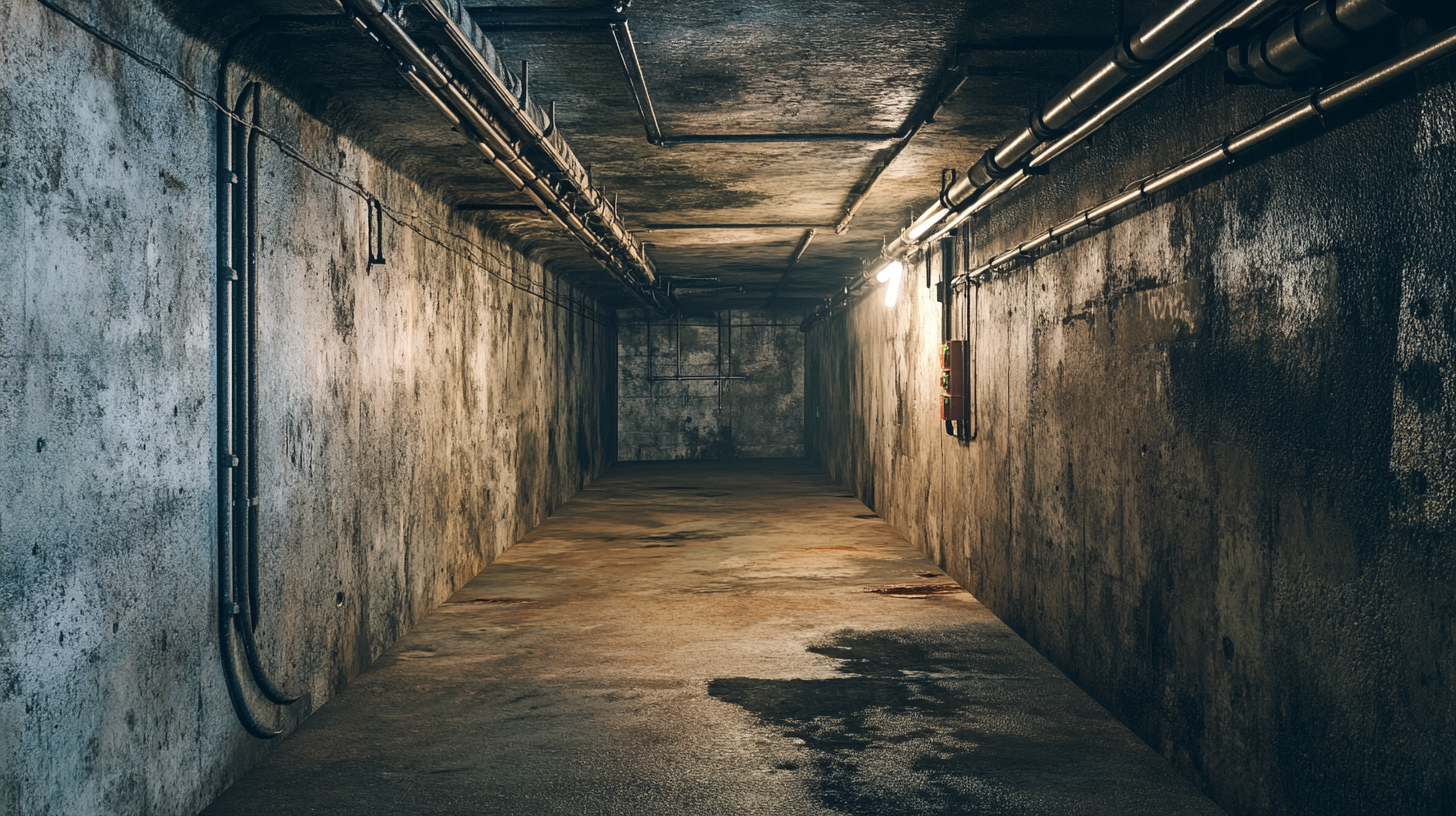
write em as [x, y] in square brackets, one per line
[891, 274]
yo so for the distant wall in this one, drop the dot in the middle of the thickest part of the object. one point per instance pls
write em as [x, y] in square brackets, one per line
[726, 385]
[1214, 478]
[416, 417]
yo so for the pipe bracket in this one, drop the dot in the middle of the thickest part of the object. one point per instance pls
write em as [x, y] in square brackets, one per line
[1039, 128]
[995, 171]
[1124, 58]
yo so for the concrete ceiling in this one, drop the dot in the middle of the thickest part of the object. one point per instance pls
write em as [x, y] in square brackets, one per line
[735, 212]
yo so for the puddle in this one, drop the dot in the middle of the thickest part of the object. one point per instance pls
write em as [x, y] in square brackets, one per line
[492, 601]
[681, 535]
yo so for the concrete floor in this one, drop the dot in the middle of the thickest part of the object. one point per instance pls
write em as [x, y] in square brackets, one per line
[705, 638]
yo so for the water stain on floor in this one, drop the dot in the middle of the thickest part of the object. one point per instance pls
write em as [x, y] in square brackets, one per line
[917, 723]
[917, 590]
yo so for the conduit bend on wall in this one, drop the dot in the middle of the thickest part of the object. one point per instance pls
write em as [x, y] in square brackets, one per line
[238, 593]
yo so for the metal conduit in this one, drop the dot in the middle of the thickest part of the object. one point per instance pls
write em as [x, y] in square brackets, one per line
[1202, 45]
[637, 81]
[1312, 107]
[237, 533]
[227, 607]
[794, 259]
[950, 81]
[548, 141]
[569, 198]
[1366, 13]
[1306, 41]
[537, 18]
[1137, 54]
[246, 313]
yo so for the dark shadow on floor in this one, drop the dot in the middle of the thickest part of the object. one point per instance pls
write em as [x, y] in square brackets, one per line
[923, 722]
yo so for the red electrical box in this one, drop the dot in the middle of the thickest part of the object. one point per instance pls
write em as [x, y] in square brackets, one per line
[953, 380]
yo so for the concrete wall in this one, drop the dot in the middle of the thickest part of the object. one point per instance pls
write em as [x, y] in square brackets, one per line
[1214, 478]
[663, 416]
[416, 417]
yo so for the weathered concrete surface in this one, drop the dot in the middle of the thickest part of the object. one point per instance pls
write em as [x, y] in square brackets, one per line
[417, 417]
[1214, 479]
[663, 417]
[695, 637]
[799, 66]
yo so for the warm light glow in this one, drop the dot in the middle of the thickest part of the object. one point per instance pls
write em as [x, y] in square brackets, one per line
[927, 220]
[891, 274]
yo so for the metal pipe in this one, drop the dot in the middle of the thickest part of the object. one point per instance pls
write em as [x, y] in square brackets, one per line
[799, 251]
[775, 138]
[1305, 41]
[228, 608]
[615, 248]
[1134, 55]
[1242, 16]
[250, 346]
[495, 207]
[803, 247]
[637, 81]
[947, 252]
[693, 377]
[1137, 52]
[247, 620]
[972, 363]
[1313, 107]
[924, 113]
[679, 227]
[535, 18]
[398, 40]
[408, 71]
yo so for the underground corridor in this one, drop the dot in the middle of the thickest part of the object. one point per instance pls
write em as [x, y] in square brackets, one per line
[453, 407]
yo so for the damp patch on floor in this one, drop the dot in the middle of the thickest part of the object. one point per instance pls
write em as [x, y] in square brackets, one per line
[916, 590]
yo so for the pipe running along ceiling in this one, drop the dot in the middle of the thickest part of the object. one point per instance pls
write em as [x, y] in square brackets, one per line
[783, 150]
